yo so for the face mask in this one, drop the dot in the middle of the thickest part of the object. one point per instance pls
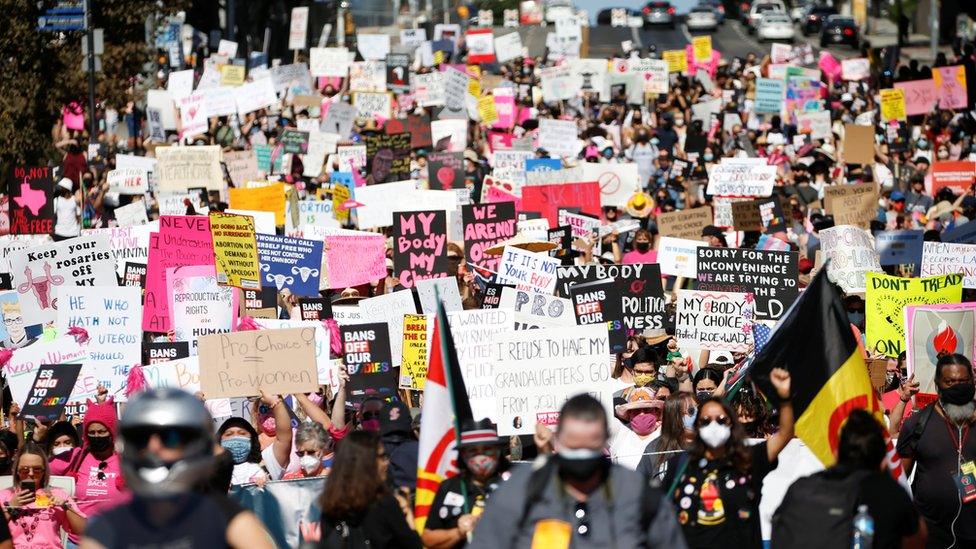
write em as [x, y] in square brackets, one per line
[714, 434]
[644, 424]
[268, 426]
[641, 380]
[655, 141]
[238, 447]
[310, 464]
[99, 444]
[856, 319]
[922, 144]
[958, 394]
[370, 425]
[642, 246]
[702, 396]
[679, 122]
[60, 450]
[943, 154]
[481, 466]
[708, 157]
[581, 463]
[688, 421]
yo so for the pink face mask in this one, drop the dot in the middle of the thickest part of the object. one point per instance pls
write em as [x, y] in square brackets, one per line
[644, 424]
[268, 426]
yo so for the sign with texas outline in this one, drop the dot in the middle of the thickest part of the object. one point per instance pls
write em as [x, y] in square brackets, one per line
[31, 202]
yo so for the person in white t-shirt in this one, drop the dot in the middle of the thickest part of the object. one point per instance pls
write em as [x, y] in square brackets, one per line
[643, 411]
[67, 205]
[239, 438]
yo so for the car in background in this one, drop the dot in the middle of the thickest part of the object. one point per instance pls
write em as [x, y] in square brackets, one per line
[659, 13]
[759, 9]
[702, 17]
[814, 17]
[775, 26]
[603, 17]
[719, 9]
[840, 29]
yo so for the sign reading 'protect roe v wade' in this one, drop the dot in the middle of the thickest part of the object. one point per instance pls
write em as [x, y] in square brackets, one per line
[245, 363]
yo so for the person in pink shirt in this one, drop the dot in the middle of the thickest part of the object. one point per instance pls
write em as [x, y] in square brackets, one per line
[642, 252]
[35, 512]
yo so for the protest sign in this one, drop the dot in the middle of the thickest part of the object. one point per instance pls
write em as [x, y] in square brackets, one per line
[264, 222]
[419, 251]
[31, 200]
[958, 175]
[715, 321]
[934, 331]
[328, 62]
[899, 247]
[537, 370]
[26, 361]
[367, 76]
[638, 287]
[559, 137]
[134, 275]
[886, 297]
[292, 263]
[950, 85]
[679, 256]
[165, 351]
[533, 310]
[598, 302]
[128, 243]
[417, 334]
[963, 234]
[49, 394]
[581, 227]
[771, 276]
[738, 179]
[449, 135]
[368, 248]
[481, 46]
[855, 69]
[298, 28]
[702, 46]
[940, 258]
[390, 308]
[858, 144]
[388, 157]
[131, 214]
[852, 255]
[527, 270]
[182, 241]
[254, 96]
[852, 204]
[677, 61]
[428, 89]
[375, 105]
[745, 216]
[40, 272]
[417, 126]
[245, 363]
[508, 47]
[339, 119]
[219, 101]
[685, 224]
[235, 250]
[816, 124]
[486, 225]
[315, 308]
[618, 182]
[366, 353]
[492, 296]
[433, 290]
[557, 85]
[112, 316]
[446, 170]
[323, 360]
[398, 73]
[178, 168]
[128, 181]
[921, 96]
[769, 95]
[294, 141]
[270, 198]
[893, 105]
[475, 334]
[193, 117]
[373, 46]
[547, 199]
[198, 305]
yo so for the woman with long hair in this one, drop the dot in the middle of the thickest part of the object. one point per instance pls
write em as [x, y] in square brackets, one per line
[716, 486]
[677, 432]
[35, 512]
[358, 509]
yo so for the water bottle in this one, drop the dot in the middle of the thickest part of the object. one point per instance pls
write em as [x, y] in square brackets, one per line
[863, 529]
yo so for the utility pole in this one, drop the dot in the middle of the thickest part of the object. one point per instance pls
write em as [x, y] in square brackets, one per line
[934, 25]
[341, 23]
[92, 122]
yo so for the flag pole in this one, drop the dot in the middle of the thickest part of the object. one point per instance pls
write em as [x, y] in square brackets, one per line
[442, 324]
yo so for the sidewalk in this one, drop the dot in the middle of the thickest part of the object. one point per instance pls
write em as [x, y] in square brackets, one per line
[884, 33]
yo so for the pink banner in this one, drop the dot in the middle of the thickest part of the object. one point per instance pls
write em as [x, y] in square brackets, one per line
[494, 194]
[921, 96]
[182, 241]
[505, 107]
[950, 84]
[369, 252]
[830, 65]
[710, 66]
[499, 141]
[73, 116]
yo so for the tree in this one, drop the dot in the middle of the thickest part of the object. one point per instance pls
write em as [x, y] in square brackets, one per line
[42, 71]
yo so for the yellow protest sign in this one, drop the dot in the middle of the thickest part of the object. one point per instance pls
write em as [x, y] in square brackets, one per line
[486, 110]
[413, 368]
[885, 301]
[474, 87]
[893, 105]
[235, 250]
[677, 61]
[703, 48]
[340, 193]
[231, 75]
[270, 198]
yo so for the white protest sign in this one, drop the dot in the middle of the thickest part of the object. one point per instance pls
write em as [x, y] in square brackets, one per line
[852, 255]
[128, 244]
[162, 101]
[527, 270]
[429, 290]
[454, 133]
[538, 370]
[855, 69]
[559, 137]
[298, 28]
[367, 76]
[198, 305]
[179, 84]
[22, 368]
[193, 117]
[219, 101]
[319, 145]
[618, 182]
[373, 46]
[390, 308]
[734, 179]
[717, 321]
[474, 333]
[328, 62]
[131, 214]
[679, 256]
[940, 258]
[255, 95]
[183, 374]
[264, 222]
[428, 89]
[533, 310]
[558, 84]
[413, 37]
[816, 123]
[373, 105]
[508, 47]
[128, 181]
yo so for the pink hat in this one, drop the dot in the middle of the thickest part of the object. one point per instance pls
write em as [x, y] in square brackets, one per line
[103, 413]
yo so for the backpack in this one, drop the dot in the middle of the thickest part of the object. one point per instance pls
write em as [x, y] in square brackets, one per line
[818, 511]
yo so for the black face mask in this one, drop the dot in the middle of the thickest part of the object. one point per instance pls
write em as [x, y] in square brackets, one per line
[99, 444]
[958, 394]
[581, 469]
[642, 246]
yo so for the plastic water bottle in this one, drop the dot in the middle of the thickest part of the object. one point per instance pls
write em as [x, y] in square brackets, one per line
[863, 529]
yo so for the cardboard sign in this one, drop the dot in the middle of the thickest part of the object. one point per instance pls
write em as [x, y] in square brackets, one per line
[323, 361]
[235, 250]
[771, 276]
[716, 321]
[940, 258]
[533, 310]
[958, 175]
[164, 351]
[179, 168]
[745, 216]
[417, 333]
[921, 96]
[243, 363]
[31, 200]
[475, 335]
[679, 256]
[527, 270]
[852, 204]
[293, 263]
[686, 224]
[366, 353]
[852, 255]
[887, 296]
[858, 144]
[484, 226]
[597, 302]
[933, 331]
[270, 198]
[51, 390]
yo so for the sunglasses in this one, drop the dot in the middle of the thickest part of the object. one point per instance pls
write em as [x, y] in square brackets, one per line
[101, 470]
[30, 470]
[721, 420]
[171, 438]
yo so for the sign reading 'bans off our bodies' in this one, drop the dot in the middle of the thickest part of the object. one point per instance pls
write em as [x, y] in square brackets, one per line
[245, 363]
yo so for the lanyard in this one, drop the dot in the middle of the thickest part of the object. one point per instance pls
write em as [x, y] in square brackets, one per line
[952, 435]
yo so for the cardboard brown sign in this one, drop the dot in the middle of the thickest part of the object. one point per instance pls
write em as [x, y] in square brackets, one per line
[745, 216]
[685, 223]
[858, 144]
[852, 204]
[242, 364]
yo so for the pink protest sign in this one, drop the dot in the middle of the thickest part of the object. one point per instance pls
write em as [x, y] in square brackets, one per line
[500, 141]
[710, 66]
[494, 194]
[505, 107]
[73, 116]
[920, 96]
[950, 84]
[830, 65]
[182, 241]
[369, 251]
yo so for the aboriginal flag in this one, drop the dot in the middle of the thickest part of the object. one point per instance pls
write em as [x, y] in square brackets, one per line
[814, 341]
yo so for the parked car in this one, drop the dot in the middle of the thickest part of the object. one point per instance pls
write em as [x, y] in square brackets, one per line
[757, 11]
[719, 9]
[840, 29]
[775, 26]
[702, 18]
[813, 18]
[603, 16]
[659, 13]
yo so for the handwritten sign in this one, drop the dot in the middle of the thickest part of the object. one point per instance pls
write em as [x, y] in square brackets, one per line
[31, 200]
[235, 250]
[198, 305]
[852, 204]
[921, 96]
[484, 226]
[893, 105]
[475, 332]
[940, 258]
[420, 246]
[179, 168]
[717, 321]
[182, 241]
[527, 270]
[852, 255]
[244, 363]
[950, 84]
[368, 248]
[685, 224]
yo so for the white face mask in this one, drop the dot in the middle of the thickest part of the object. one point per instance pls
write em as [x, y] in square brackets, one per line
[714, 434]
[60, 450]
[310, 464]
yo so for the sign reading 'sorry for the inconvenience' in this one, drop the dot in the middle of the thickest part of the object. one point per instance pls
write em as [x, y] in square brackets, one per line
[244, 363]
[769, 275]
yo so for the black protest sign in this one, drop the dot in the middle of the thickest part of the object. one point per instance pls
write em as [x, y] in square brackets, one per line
[771, 215]
[366, 353]
[315, 308]
[562, 237]
[134, 274]
[770, 275]
[484, 226]
[598, 302]
[164, 351]
[445, 170]
[264, 298]
[398, 72]
[294, 141]
[388, 157]
[51, 390]
[419, 246]
[6, 281]
[638, 289]
[492, 296]
[417, 126]
[31, 200]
